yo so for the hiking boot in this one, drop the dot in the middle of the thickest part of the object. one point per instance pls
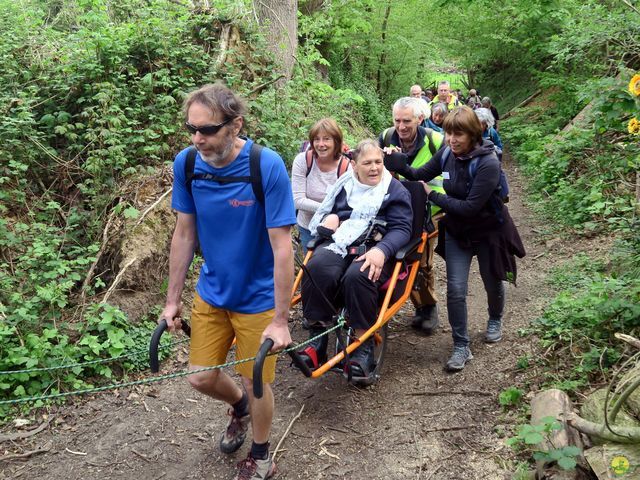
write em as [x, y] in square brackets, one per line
[361, 361]
[460, 356]
[494, 331]
[426, 319]
[233, 437]
[315, 353]
[254, 469]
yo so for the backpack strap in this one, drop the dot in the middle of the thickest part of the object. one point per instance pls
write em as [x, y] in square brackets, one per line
[254, 170]
[254, 178]
[309, 158]
[432, 146]
[343, 165]
[189, 168]
[445, 155]
[473, 167]
[387, 135]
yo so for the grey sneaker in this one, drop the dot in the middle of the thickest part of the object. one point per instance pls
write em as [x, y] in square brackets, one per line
[426, 319]
[460, 356]
[233, 437]
[494, 331]
[253, 469]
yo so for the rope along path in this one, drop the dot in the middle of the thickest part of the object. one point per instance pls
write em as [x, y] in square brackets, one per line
[340, 323]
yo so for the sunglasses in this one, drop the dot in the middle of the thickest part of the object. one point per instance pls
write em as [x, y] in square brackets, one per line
[206, 129]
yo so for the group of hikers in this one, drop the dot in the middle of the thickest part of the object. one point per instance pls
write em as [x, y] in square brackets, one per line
[234, 200]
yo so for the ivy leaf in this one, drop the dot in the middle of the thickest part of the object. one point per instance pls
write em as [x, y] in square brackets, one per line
[533, 438]
[571, 451]
[567, 463]
[131, 212]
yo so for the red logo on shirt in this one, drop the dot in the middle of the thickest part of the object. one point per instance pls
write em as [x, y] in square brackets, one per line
[235, 203]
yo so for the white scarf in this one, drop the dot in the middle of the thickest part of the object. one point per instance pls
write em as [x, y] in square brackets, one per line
[365, 200]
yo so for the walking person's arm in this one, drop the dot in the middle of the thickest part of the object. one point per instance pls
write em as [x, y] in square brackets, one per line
[278, 329]
[183, 245]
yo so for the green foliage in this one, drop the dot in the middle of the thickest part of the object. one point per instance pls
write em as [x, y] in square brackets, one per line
[91, 95]
[105, 333]
[530, 435]
[596, 300]
[510, 397]
[583, 178]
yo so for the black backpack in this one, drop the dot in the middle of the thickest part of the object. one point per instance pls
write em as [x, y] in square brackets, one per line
[254, 178]
[503, 185]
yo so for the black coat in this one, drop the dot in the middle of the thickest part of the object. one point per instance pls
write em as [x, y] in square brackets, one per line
[475, 211]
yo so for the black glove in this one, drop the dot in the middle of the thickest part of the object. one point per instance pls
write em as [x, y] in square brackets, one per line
[396, 162]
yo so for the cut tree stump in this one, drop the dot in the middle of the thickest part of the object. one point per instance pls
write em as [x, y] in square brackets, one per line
[614, 461]
[555, 403]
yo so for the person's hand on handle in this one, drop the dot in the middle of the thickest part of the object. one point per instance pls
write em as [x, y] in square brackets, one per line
[280, 335]
[172, 314]
[374, 261]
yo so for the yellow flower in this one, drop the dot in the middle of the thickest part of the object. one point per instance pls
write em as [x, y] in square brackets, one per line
[634, 85]
[634, 126]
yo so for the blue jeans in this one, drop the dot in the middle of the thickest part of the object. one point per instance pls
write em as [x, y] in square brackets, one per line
[305, 237]
[458, 262]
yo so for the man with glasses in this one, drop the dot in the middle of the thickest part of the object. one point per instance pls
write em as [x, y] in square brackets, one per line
[234, 199]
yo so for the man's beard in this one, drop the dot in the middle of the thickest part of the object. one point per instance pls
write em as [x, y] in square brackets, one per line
[217, 159]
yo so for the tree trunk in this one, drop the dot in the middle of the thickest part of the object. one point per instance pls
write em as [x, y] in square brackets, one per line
[279, 22]
[383, 54]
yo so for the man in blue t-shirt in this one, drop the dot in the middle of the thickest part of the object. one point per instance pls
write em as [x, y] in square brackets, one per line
[245, 282]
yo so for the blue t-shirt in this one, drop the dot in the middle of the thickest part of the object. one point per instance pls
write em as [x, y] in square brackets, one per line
[232, 224]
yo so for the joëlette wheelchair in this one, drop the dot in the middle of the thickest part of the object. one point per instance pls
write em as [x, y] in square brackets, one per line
[392, 296]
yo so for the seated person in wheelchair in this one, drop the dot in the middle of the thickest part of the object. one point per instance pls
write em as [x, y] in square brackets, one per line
[364, 219]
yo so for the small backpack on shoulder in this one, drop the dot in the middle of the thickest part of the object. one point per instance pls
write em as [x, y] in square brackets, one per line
[343, 164]
[503, 185]
[254, 178]
[388, 134]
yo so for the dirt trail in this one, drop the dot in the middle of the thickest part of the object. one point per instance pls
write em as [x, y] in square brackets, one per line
[417, 422]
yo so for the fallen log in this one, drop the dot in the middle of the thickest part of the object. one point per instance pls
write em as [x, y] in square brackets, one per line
[524, 103]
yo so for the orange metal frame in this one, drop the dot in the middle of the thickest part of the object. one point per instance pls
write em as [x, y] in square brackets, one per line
[386, 311]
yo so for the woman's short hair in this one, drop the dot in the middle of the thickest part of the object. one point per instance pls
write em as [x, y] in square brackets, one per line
[485, 116]
[217, 98]
[440, 108]
[464, 120]
[486, 102]
[363, 146]
[331, 128]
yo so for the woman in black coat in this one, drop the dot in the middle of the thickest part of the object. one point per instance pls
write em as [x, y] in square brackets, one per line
[477, 223]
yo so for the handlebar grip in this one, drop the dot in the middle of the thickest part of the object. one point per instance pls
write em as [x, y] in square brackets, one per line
[153, 346]
[258, 365]
[154, 362]
[301, 364]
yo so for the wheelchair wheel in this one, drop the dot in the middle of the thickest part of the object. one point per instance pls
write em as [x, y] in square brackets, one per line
[380, 348]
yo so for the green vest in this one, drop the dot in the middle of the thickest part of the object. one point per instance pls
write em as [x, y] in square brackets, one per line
[453, 102]
[433, 142]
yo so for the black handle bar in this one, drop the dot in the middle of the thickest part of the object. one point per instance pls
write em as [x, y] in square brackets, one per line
[258, 365]
[154, 363]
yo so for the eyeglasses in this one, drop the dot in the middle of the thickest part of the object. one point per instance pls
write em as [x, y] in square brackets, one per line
[206, 129]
